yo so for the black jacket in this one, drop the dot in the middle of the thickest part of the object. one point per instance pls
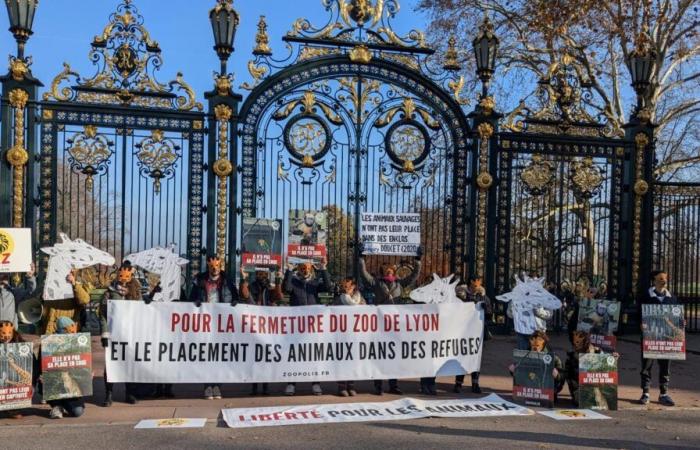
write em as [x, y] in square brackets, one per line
[305, 292]
[227, 289]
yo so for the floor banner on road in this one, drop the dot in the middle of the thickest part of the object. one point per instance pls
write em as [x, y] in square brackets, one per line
[573, 414]
[406, 408]
[170, 423]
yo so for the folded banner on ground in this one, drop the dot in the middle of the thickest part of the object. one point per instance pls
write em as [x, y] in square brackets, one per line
[180, 343]
[403, 409]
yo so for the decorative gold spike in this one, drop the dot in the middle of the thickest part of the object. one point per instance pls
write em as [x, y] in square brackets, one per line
[262, 40]
[360, 54]
[451, 55]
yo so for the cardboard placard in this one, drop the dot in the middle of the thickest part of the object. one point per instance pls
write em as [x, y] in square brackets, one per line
[307, 234]
[66, 366]
[533, 382]
[390, 233]
[600, 318]
[15, 250]
[16, 364]
[663, 332]
[597, 381]
[261, 243]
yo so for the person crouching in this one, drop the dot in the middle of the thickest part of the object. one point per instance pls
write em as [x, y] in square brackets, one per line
[74, 407]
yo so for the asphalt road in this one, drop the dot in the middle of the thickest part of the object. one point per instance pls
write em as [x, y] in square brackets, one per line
[672, 429]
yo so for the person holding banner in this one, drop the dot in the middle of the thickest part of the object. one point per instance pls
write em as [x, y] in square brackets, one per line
[11, 296]
[303, 287]
[69, 307]
[388, 288]
[213, 286]
[658, 294]
[125, 287]
[473, 292]
[74, 407]
[260, 292]
[348, 295]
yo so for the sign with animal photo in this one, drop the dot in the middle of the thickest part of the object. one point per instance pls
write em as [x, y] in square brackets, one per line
[533, 381]
[390, 233]
[597, 381]
[66, 366]
[600, 319]
[663, 329]
[308, 231]
[16, 362]
[66, 256]
[15, 250]
[262, 243]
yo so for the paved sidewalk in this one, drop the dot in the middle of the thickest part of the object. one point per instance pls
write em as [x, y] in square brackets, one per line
[685, 389]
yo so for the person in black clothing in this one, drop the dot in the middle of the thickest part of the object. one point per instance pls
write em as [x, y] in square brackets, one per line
[658, 294]
[213, 286]
[474, 292]
[262, 292]
[303, 288]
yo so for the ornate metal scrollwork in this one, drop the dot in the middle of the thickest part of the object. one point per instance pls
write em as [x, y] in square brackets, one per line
[538, 175]
[157, 157]
[586, 178]
[641, 188]
[126, 58]
[18, 156]
[90, 153]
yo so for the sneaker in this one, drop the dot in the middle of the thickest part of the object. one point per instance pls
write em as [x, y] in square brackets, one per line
[352, 392]
[216, 391]
[395, 390]
[476, 389]
[316, 389]
[644, 399]
[290, 390]
[56, 412]
[666, 400]
[457, 389]
[343, 393]
[208, 393]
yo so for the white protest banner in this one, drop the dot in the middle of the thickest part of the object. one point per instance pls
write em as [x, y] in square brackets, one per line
[15, 250]
[390, 234]
[217, 343]
[573, 414]
[403, 409]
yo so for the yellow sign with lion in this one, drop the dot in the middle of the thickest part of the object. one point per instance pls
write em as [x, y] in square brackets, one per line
[15, 250]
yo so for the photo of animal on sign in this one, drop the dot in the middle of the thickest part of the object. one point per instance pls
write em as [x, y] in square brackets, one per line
[390, 234]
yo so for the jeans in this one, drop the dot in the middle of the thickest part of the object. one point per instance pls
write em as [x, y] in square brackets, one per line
[75, 407]
[523, 341]
[664, 374]
[459, 379]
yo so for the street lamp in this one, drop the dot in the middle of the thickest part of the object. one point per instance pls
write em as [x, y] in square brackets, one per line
[641, 63]
[224, 21]
[21, 13]
[485, 49]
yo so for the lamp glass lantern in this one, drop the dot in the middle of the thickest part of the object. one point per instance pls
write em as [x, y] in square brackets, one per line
[21, 15]
[224, 22]
[485, 50]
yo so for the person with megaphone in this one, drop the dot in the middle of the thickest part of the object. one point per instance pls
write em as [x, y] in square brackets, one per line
[11, 296]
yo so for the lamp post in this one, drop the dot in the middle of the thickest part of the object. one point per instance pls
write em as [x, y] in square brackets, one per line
[21, 14]
[641, 63]
[485, 49]
[224, 22]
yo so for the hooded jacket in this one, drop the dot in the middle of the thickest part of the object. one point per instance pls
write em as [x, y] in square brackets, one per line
[11, 296]
[386, 293]
[304, 291]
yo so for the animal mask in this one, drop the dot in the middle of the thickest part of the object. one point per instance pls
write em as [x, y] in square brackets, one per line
[304, 269]
[214, 266]
[581, 341]
[528, 295]
[166, 263]
[125, 275]
[536, 344]
[7, 331]
[440, 290]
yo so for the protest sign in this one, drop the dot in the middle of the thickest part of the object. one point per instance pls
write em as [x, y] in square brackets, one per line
[600, 319]
[533, 382]
[573, 414]
[170, 423]
[403, 409]
[217, 343]
[390, 234]
[308, 231]
[15, 250]
[663, 332]
[66, 366]
[16, 362]
[597, 381]
[262, 243]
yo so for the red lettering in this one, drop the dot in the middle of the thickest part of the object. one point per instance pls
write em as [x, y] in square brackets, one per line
[6, 258]
[174, 320]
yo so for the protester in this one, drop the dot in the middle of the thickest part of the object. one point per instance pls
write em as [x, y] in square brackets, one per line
[303, 288]
[582, 344]
[69, 307]
[539, 342]
[348, 295]
[213, 286]
[658, 294]
[582, 293]
[162, 390]
[11, 296]
[124, 287]
[474, 292]
[74, 407]
[262, 292]
[388, 288]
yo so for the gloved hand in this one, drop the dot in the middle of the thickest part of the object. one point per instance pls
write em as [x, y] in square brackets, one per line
[198, 303]
[104, 341]
[419, 253]
[148, 299]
